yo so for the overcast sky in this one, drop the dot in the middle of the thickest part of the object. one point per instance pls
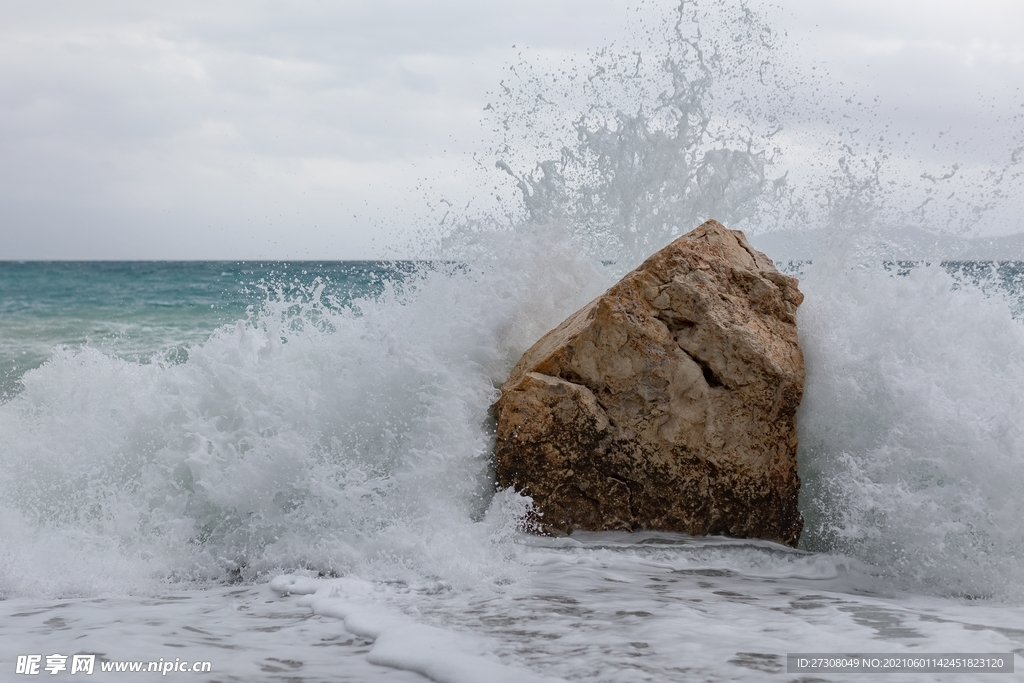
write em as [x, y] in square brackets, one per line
[315, 129]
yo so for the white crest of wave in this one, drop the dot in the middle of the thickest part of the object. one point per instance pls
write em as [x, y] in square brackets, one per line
[337, 439]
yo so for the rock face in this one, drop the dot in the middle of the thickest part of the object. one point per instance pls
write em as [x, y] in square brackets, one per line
[667, 403]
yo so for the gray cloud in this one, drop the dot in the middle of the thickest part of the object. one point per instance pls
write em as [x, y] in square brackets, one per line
[273, 130]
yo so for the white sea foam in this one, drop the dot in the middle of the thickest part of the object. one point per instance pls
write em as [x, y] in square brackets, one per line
[605, 607]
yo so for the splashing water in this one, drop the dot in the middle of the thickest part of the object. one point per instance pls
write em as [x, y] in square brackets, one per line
[668, 134]
[308, 436]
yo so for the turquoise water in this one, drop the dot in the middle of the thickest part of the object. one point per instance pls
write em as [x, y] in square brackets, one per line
[146, 310]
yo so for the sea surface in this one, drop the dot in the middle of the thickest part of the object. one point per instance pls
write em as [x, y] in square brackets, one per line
[282, 469]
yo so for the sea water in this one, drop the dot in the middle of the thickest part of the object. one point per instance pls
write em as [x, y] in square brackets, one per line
[159, 475]
[283, 469]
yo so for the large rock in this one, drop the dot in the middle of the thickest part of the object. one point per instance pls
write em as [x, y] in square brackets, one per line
[666, 403]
